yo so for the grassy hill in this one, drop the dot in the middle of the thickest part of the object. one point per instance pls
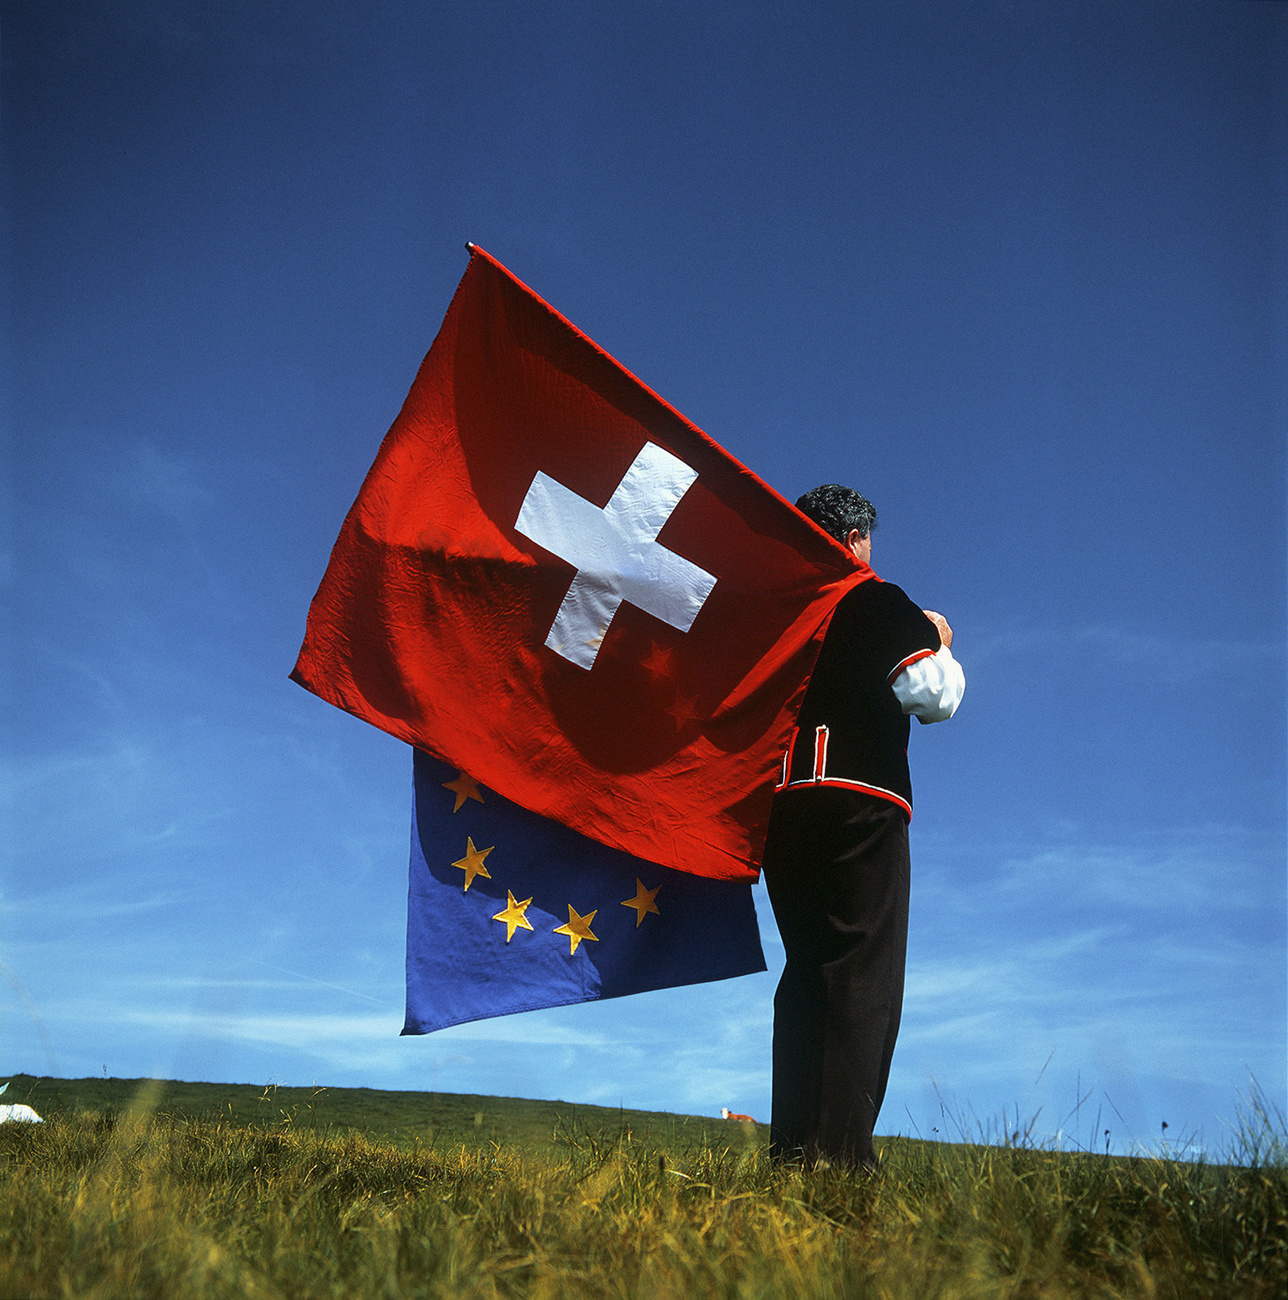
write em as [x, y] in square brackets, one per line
[138, 1188]
[440, 1120]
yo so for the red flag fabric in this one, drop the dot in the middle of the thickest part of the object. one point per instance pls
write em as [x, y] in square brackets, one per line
[553, 581]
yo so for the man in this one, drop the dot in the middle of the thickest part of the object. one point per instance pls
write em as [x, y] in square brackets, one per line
[836, 856]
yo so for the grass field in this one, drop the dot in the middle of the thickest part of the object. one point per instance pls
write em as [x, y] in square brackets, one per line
[441, 1120]
[138, 1189]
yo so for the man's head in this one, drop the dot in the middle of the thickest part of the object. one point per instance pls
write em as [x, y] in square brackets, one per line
[843, 513]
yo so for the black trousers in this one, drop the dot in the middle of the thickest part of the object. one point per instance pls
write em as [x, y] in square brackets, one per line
[836, 866]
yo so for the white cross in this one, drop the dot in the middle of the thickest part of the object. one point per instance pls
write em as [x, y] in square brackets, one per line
[616, 552]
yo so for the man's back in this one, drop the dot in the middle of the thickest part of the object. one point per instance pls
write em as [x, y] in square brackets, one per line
[875, 633]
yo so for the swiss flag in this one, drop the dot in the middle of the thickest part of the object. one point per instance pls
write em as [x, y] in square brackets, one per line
[554, 582]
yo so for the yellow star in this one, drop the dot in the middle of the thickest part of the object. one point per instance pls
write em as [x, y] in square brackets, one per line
[513, 916]
[643, 901]
[577, 929]
[472, 862]
[464, 787]
[682, 710]
[658, 664]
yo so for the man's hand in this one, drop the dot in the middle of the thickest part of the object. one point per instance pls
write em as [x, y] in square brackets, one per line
[940, 622]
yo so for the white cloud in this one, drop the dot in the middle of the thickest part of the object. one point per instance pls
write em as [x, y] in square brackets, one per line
[298, 1031]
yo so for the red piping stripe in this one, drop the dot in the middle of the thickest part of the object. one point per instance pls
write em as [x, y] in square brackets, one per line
[840, 783]
[820, 753]
[911, 659]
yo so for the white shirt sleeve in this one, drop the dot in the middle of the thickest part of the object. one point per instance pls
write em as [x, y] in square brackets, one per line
[931, 687]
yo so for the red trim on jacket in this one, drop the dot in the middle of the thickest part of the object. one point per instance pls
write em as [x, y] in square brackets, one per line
[911, 659]
[820, 753]
[840, 783]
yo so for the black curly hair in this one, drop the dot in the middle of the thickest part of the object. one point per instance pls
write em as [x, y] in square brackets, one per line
[837, 510]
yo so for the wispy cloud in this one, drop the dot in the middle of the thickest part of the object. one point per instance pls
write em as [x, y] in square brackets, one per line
[325, 984]
[1169, 661]
[95, 901]
[1153, 967]
[287, 1030]
[1208, 870]
[169, 482]
[529, 1030]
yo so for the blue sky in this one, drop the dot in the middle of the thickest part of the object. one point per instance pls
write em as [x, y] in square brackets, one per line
[1015, 270]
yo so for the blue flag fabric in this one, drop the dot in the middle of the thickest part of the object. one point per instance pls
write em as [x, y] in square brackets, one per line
[509, 911]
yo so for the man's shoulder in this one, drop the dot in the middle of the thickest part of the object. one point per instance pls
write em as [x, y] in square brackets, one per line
[884, 611]
[876, 595]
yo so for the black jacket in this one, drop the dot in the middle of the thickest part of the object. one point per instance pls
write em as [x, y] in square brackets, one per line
[852, 731]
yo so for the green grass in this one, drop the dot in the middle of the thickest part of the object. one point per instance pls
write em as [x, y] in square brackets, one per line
[442, 1120]
[203, 1190]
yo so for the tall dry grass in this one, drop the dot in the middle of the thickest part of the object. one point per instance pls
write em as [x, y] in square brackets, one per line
[145, 1204]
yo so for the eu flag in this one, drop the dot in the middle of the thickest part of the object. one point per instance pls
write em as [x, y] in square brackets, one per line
[509, 911]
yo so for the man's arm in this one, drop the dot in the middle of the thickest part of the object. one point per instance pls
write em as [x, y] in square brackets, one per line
[932, 687]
